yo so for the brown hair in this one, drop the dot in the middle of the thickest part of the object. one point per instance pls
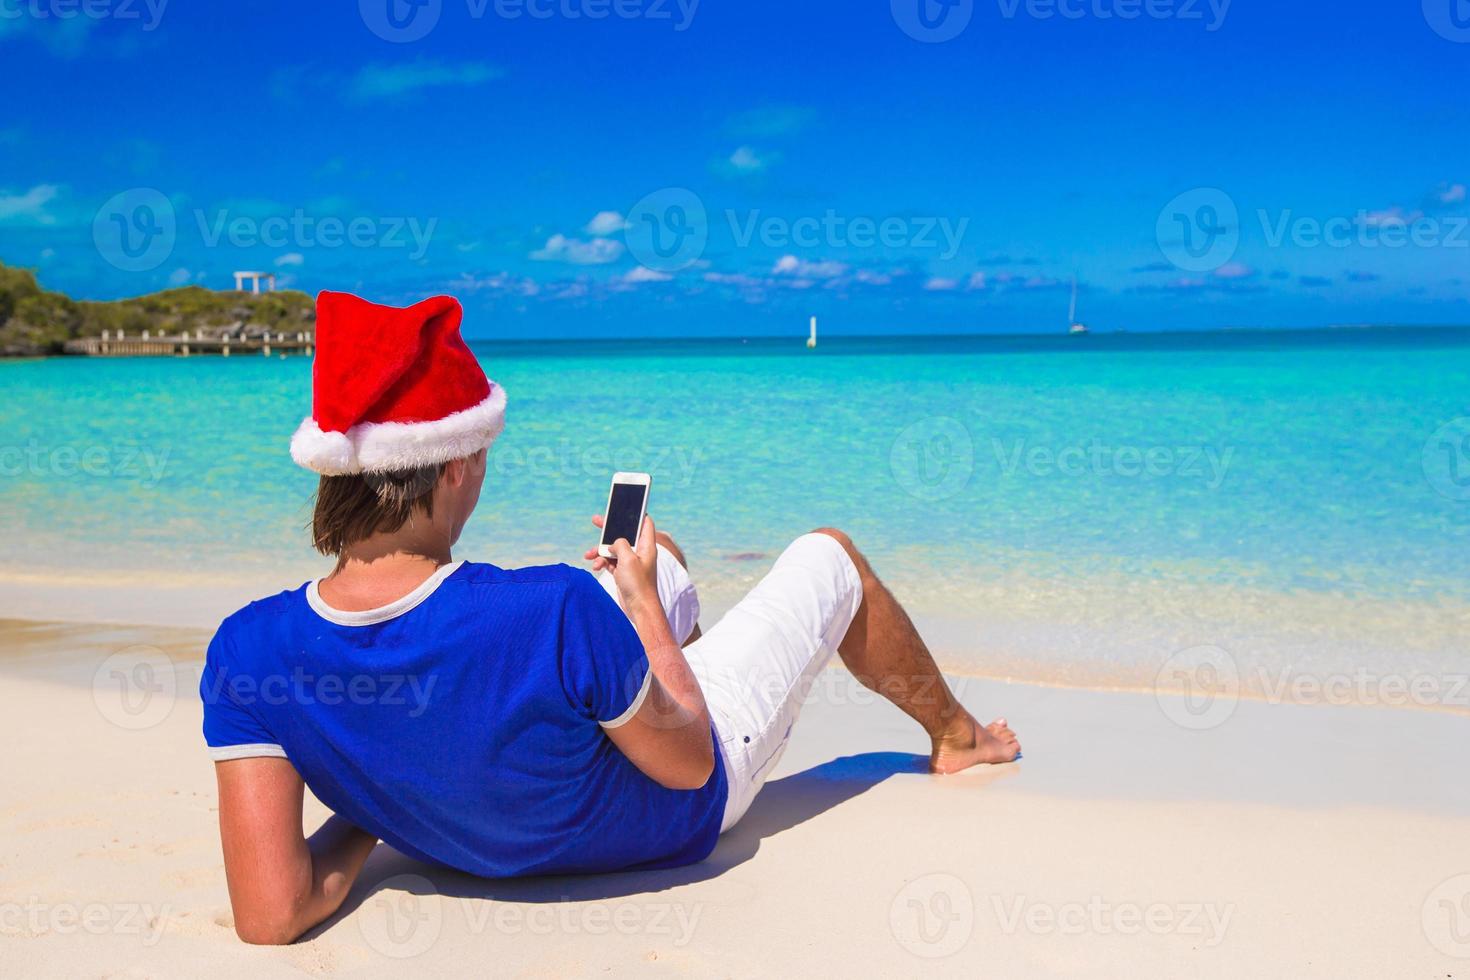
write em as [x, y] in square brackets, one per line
[352, 508]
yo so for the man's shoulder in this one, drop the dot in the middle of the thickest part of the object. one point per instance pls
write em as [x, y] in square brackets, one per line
[563, 576]
[562, 586]
[247, 621]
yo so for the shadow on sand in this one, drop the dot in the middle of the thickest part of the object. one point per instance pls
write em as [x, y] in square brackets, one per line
[781, 805]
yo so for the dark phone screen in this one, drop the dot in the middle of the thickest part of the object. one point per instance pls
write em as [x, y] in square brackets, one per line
[623, 512]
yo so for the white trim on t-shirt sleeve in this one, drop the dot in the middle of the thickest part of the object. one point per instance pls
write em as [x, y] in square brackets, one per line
[258, 750]
[627, 716]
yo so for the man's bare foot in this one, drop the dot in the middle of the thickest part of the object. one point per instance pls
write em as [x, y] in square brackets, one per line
[974, 745]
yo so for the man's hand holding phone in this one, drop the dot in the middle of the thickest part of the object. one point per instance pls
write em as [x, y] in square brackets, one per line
[635, 570]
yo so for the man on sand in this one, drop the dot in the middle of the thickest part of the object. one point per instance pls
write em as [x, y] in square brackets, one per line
[499, 721]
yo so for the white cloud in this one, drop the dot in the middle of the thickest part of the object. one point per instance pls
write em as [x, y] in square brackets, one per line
[574, 251]
[290, 258]
[29, 205]
[941, 285]
[790, 265]
[644, 274]
[606, 223]
[386, 81]
[977, 281]
[179, 276]
[1450, 194]
[500, 282]
[746, 160]
[1234, 270]
[48, 253]
[734, 279]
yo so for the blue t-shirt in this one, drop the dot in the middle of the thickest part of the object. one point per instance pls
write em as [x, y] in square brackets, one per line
[463, 724]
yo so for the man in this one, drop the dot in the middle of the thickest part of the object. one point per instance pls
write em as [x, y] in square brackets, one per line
[507, 722]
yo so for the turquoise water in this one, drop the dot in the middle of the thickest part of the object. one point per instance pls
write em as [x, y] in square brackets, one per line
[1284, 464]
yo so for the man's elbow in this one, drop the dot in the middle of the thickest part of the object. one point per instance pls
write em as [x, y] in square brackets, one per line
[267, 930]
[693, 776]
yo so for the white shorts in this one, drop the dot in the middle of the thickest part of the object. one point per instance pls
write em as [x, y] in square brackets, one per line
[757, 665]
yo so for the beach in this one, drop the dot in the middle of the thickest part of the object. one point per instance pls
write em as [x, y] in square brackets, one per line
[1216, 585]
[1287, 841]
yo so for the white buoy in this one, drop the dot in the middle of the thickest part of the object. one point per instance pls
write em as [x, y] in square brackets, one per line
[811, 341]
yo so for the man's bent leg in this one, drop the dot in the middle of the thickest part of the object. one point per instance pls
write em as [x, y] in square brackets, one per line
[667, 542]
[884, 651]
[676, 592]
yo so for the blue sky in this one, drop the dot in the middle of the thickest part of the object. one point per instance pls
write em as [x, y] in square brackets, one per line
[658, 167]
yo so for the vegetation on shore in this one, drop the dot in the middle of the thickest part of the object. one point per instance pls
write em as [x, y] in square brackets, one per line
[36, 321]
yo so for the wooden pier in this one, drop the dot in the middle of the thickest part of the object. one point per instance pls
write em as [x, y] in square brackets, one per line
[184, 345]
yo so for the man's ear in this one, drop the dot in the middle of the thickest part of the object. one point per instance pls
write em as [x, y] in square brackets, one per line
[454, 472]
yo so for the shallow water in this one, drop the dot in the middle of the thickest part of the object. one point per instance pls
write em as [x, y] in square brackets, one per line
[1073, 503]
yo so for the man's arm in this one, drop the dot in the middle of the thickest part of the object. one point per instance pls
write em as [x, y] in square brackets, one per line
[668, 738]
[281, 884]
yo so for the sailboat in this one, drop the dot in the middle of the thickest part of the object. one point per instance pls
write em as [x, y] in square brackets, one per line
[811, 342]
[1076, 328]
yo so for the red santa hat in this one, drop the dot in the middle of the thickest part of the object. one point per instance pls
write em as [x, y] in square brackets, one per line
[394, 389]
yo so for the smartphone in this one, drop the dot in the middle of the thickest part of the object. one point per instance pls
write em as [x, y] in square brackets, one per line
[627, 502]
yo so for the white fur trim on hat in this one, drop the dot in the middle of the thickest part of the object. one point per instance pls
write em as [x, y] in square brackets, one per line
[385, 447]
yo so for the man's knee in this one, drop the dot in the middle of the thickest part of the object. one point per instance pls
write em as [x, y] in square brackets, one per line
[666, 541]
[841, 538]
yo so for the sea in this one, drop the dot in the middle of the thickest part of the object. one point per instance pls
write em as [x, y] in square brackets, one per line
[1074, 510]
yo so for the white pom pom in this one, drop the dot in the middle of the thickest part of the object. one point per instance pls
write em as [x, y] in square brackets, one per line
[327, 453]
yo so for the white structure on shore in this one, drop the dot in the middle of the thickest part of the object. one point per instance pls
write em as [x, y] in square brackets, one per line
[812, 340]
[255, 278]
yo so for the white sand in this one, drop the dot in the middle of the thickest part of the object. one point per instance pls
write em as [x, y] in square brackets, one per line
[1289, 841]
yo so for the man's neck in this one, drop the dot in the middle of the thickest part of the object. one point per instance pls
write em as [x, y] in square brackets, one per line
[380, 570]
